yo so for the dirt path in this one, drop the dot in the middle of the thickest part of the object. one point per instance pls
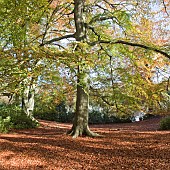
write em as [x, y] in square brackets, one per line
[131, 146]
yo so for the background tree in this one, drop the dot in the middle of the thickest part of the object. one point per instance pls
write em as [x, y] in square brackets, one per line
[18, 52]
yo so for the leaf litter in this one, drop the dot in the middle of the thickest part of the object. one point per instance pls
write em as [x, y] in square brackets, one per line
[129, 146]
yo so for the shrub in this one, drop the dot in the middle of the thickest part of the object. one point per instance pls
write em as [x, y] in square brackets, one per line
[96, 117]
[22, 121]
[110, 119]
[5, 124]
[165, 123]
[58, 113]
[65, 117]
[148, 116]
[18, 119]
[125, 120]
[50, 115]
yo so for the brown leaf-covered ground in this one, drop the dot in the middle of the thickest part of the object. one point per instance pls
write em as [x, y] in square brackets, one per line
[132, 146]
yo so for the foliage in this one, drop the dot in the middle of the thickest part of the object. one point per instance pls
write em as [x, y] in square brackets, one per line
[16, 117]
[50, 115]
[5, 124]
[97, 117]
[53, 112]
[165, 123]
[53, 115]
[60, 114]
[22, 121]
[148, 116]
[130, 81]
[66, 117]
[45, 106]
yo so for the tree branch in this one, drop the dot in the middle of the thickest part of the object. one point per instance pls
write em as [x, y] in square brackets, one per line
[97, 94]
[131, 44]
[100, 19]
[163, 1]
[168, 84]
[58, 39]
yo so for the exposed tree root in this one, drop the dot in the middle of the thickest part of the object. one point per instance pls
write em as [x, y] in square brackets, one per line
[77, 131]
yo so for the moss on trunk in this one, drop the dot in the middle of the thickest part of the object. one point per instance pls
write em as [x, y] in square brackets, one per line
[80, 123]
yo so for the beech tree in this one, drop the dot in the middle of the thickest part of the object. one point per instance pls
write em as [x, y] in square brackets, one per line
[96, 25]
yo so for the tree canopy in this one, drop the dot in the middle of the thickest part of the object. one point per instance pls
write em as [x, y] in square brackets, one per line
[109, 52]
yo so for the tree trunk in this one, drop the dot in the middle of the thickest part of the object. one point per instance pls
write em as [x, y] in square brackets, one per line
[80, 123]
[28, 101]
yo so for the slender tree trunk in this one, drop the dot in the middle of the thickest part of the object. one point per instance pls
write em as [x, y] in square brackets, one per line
[28, 100]
[80, 123]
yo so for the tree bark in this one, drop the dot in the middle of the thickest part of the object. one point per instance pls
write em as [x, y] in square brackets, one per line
[28, 100]
[80, 123]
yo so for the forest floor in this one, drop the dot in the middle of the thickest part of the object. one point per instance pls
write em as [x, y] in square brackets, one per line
[130, 146]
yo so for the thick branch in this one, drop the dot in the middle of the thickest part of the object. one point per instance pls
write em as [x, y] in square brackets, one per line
[132, 44]
[58, 39]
